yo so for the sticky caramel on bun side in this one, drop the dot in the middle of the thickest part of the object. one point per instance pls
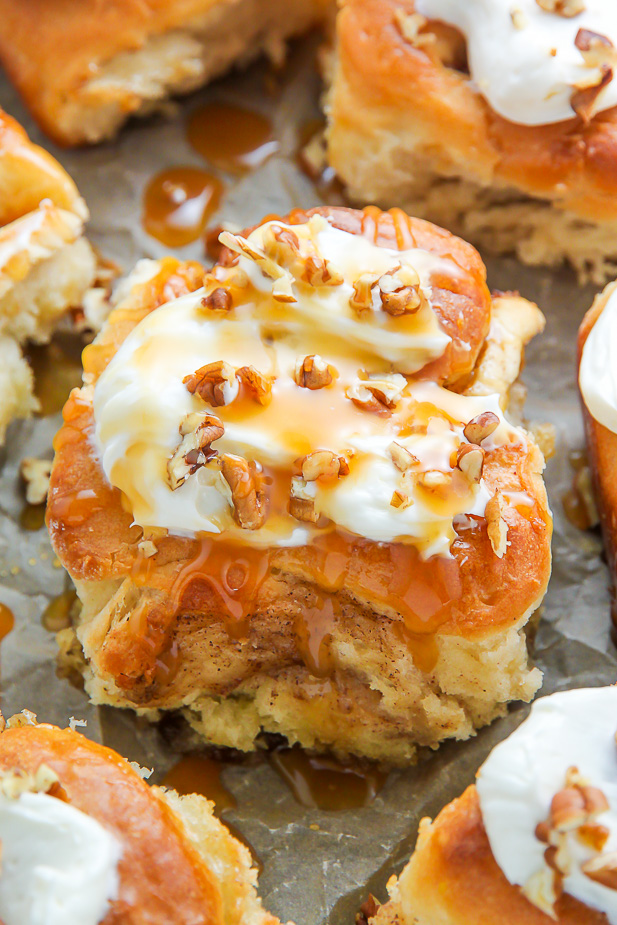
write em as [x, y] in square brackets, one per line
[341, 642]
[408, 126]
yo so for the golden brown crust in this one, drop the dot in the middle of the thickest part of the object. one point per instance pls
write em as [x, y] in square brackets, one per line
[570, 163]
[174, 617]
[51, 49]
[453, 879]
[602, 450]
[162, 877]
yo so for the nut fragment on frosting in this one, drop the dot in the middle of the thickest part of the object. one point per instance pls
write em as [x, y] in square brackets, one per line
[548, 796]
[272, 420]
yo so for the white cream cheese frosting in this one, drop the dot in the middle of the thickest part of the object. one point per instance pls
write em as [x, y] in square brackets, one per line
[598, 369]
[59, 865]
[522, 58]
[140, 400]
[516, 784]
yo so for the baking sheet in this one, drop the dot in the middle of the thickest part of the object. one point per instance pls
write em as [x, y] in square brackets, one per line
[317, 866]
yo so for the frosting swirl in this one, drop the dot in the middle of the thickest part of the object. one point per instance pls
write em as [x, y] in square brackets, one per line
[567, 740]
[523, 59]
[273, 324]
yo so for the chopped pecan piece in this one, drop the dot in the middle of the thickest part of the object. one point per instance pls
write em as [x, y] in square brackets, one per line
[434, 479]
[302, 500]
[410, 26]
[602, 869]
[319, 272]
[496, 526]
[219, 300]
[282, 290]
[566, 8]
[213, 383]
[481, 427]
[266, 264]
[323, 464]
[593, 835]
[470, 460]
[362, 298]
[567, 810]
[378, 392]
[401, 457]
[400, 499]
[400, 292]
[368, 909]
[248, 491]
[600, 56]
[312, 373]
[259, 386]
[198, 432]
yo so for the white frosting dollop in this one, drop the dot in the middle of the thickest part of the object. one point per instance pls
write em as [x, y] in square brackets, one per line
[598, 370]
[59, 865]
[140, 400]
[522, 58]
[522, 774]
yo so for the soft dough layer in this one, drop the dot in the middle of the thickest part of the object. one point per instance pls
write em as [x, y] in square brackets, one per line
[84, 69]
[408, 126]
[341, 643]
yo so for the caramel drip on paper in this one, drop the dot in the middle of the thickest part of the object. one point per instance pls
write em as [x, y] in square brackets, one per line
[178, 204]
[322, 782]
[199, 774]
[231, 138]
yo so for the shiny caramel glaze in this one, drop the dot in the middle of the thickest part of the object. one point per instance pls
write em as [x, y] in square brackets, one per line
[231, 138]
[178, 203]
[321, 782]
[163, 879]
[277, 609]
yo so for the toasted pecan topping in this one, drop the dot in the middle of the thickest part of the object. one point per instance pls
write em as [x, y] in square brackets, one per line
[496, 526]
[248, 491]
[481, 427]
[602, 869]
[566, 8]
[323, 464]
[377, 392]
[400, 499]
[302, 500]
[600, 56]
[470, 460]
[283, 246]
[400, 292]
[401, 457]
[434, 479]
[209, 382]
[312, 373]
[567, 810]
[198, 432]
[259, 386]
[219, 300]
[362, 298]
[410, 26]
[282, 290]
[593, 835]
